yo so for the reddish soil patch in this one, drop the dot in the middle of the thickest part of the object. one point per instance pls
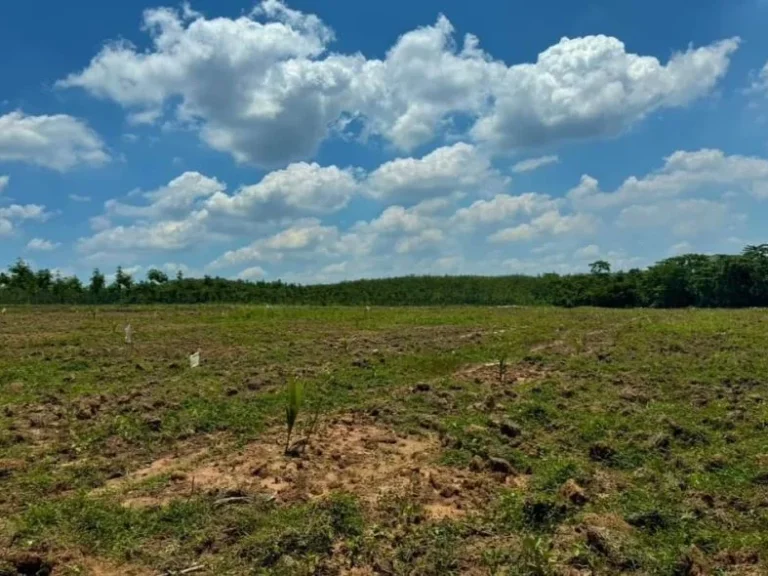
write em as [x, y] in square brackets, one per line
[355, 456]
[100, 567]
[490, 373]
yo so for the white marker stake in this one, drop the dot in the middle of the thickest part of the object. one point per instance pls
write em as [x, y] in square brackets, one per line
[194, 359]
[4, 310]
[128, 334]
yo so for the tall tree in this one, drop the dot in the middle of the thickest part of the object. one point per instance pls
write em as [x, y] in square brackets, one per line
[157, 276]
[600, 267]
[98, 282]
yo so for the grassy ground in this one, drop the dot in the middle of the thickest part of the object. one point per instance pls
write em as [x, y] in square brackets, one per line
[515, 441]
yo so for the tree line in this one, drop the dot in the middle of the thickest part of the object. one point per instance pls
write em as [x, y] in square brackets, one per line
[727, 281]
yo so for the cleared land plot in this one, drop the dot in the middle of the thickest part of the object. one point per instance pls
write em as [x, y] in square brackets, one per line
[447, 441]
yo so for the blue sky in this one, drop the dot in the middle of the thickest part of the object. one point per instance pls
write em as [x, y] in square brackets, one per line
[316, 142]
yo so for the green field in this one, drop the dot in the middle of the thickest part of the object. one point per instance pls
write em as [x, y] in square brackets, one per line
[520, 441]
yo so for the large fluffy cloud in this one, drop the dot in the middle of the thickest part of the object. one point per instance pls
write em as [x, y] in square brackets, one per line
[164, 235]
[176, 200]
[459, 168]
[300, 188]
[264, 87]
[591, 86]
[59, 142]
[259, 89]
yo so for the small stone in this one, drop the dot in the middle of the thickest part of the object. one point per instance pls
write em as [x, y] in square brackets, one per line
[178, 476]
[231, 391]
[422, 387]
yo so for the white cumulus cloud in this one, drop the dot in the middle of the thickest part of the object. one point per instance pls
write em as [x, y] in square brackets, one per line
[551, 223]
[59, 142]
[42, 245]
[265, 87]
[252, 273]
[300, 188]
[591, 86]
[459, 168]
[682, 172]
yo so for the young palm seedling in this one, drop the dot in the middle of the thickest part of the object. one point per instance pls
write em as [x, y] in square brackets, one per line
[502, 368]
[292, 408]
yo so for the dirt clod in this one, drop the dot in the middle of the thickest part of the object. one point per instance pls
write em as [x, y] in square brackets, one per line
[500, 465]
[28, 564]
[692, 563]
[601, 452]
[574, 493]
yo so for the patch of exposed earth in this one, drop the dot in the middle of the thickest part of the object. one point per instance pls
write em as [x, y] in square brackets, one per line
[353, 455]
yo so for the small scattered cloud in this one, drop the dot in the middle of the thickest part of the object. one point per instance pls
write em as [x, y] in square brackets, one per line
[532, 164]
[586, 252]
[252, 273]
[79, 198]
[680, 248]
[42, 245]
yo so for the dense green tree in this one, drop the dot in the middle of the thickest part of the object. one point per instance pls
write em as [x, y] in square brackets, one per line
[98, 283]
[157, 276]
[600, 267]
[123, 280]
